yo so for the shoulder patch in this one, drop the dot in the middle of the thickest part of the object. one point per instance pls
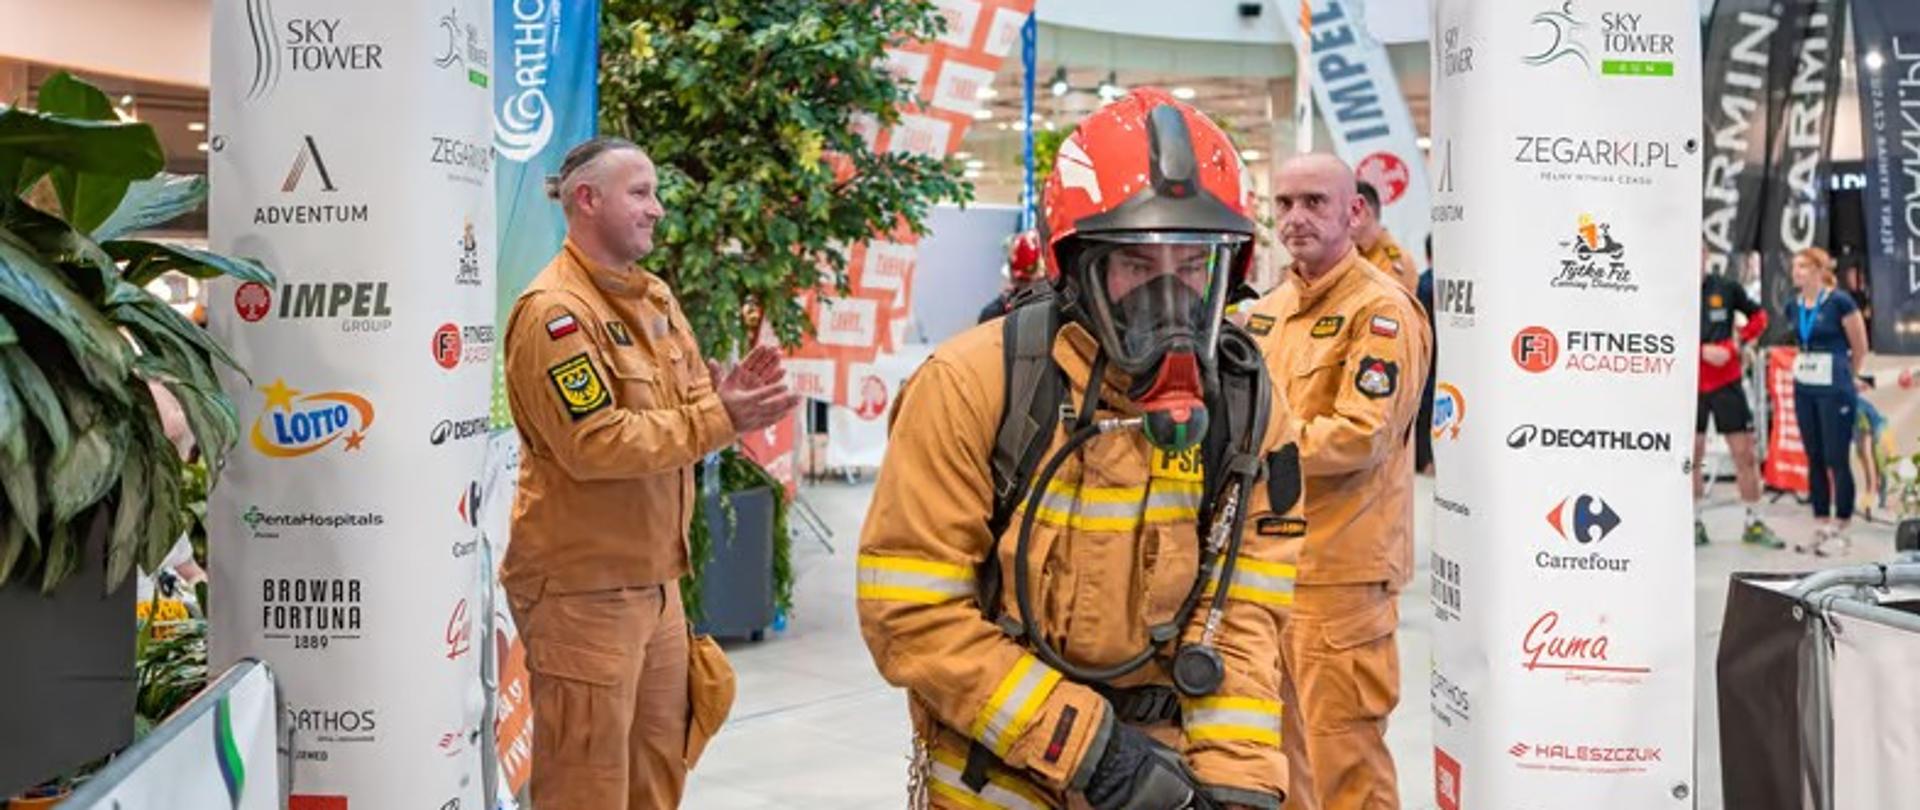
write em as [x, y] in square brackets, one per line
[618, 331]
[1260, 324]
[1384, 326]
[562, 326]
[1280, 526]
[1377, 378]
[580, 387]
[1328, 326]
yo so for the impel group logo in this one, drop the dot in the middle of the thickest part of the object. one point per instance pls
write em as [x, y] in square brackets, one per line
[1453, 297]
[1628, 47]
[1584, 520]
[1595, 351]
[1594, 260]
[308, 175]
[311, 612]
[1530, 435]
[448, 430]
[524, 124]
[303, 45]
[1560, 756]
[1446, 780]
[1387, 173]
[453, 345]
[1449, 411]
[293, 424]
[1536, 349]
[1584, 657]
[459, 631]
[359, 307]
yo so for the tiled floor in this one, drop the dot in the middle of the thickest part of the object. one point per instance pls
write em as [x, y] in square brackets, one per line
[815, 727]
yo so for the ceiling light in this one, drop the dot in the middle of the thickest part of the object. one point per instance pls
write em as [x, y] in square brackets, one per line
[1249, 154]
[963, 156]
[197, 126]
[1003, 126]
[1051, 127]
[986, 93]
[1110, 88]
[976, 164]
[972, 174]
[1059, 84]
[126, 100]
[983, 114]
[1423, 142]
[1875, 61]
[202, 146]
[1019, 126]
[1184, 93]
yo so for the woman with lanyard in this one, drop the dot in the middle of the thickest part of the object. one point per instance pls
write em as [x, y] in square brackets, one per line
[1826, 381]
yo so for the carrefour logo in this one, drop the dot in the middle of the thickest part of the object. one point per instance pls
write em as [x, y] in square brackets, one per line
[524, 124]
[295, 423]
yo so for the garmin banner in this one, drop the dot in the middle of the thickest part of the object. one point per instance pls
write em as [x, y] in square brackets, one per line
[1567, 219]
[1887, 40]
[350, 150]
[1360, 101]
[1741, 48]
[1807, 80]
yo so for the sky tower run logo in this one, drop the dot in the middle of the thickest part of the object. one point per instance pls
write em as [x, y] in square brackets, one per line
[293, 424]
[1626, 42]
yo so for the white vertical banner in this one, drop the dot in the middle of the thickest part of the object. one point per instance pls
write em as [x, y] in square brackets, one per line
[1361, 103]
[1566, 215]
[350, 149]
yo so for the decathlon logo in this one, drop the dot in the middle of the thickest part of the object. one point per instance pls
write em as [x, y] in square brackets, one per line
[524, 125]
[293, 424]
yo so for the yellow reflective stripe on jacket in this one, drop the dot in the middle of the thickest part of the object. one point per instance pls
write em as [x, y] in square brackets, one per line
[1119, 509]
[1013, 704]
[1255, 581]
[1002, 792]
[1232, 719]
[903, 579]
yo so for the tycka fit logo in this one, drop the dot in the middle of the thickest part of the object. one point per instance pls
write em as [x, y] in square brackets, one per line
[293, 423]
[1593, 259]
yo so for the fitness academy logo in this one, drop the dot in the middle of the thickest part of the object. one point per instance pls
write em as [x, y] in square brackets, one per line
[1537, 350]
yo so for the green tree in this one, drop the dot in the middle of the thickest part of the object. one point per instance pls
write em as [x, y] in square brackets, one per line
[742, 104]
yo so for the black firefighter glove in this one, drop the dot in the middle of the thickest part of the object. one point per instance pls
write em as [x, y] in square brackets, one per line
[1137, 773]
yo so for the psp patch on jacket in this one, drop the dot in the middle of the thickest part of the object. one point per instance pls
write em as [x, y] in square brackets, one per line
[618, 331]
[1385, 326]
[1328, 326]
[562, 326]
[1279, 526]
[580, 387]
[1377, 378]
[1260, 324]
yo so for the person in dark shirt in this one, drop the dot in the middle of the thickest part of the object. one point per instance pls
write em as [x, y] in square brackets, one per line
[1826, 383]
[1723, 397]
[1423, 425]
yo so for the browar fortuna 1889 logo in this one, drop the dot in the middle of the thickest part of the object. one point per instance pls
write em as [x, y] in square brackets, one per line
[295, 423]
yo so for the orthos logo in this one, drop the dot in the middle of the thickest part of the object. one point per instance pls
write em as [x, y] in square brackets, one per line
[525, 121]
[294, 423]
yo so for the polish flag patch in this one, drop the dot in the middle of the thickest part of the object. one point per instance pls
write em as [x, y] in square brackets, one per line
[562, 326]
[1385, 326]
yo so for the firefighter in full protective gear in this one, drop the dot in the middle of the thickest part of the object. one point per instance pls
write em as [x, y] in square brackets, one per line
[1377, 245]
[1091, 631]
[1023, 270]
[1349, 346]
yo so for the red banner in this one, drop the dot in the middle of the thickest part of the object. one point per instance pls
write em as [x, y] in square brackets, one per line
[1786, 465]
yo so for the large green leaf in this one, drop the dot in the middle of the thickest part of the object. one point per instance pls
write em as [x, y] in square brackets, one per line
[85, 474]
[211, 416]
[152, 202]
[13, 541]
[147, 260]
[108, 148]
[88, 198]
[68, 97]
[60, 559]
[92, 270]
[131, 509]
[37, 392]
[162, 320]
[30, 284]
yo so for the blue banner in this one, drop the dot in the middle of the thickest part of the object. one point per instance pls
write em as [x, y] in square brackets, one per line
[1887, 42]
[545, 100]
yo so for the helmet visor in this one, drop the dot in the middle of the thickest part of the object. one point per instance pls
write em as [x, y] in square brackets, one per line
[1155, 292]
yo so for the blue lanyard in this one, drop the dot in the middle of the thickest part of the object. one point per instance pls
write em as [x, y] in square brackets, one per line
[1808, 316]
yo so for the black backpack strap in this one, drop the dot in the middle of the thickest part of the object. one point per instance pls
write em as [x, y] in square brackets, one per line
[1035, 388]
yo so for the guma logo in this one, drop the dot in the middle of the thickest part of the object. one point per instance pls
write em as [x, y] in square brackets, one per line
[293, 423]
[1548, 646]
[525, 121]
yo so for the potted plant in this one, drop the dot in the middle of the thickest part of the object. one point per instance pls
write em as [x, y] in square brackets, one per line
[89, 483]
[748, 108]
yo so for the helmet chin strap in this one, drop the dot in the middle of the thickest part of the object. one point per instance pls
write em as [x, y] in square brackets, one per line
[1174, 404]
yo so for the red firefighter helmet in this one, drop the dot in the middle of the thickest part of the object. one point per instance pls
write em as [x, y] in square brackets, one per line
[1023, 257]
[1144, 180]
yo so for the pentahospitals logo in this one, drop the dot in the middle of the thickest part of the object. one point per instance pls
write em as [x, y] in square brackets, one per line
[293, 423]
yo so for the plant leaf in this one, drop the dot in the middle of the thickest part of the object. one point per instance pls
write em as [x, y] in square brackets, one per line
[68, 97]
[13, 541]
[59, 244]
[30, 284]
[109, 148]
[60, 557]
[124, 540]
[154, 201]
[82, 476]
[164, 323]
[42, 401]
[146, 261]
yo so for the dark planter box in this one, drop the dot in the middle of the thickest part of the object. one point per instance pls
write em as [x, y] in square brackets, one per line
[737, 585]
[67, 686]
